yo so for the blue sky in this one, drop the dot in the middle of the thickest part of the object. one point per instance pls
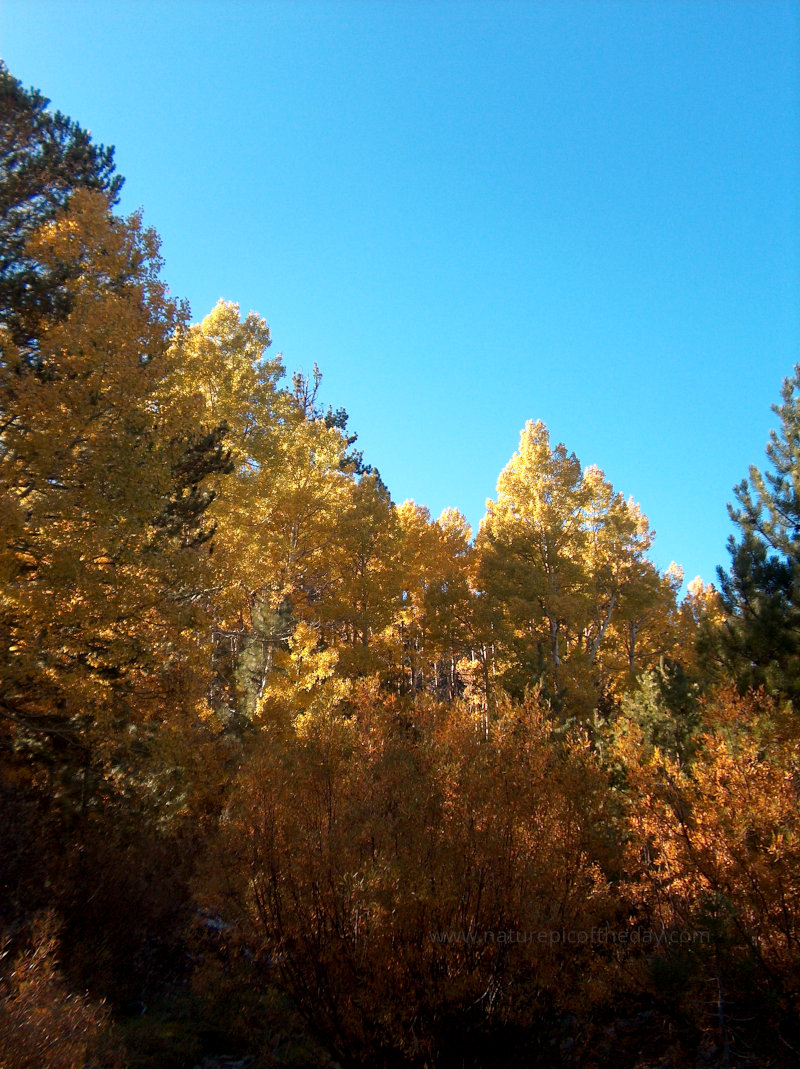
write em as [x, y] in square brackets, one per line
[475, 214]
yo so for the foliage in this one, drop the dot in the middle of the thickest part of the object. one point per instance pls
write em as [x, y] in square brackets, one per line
[45, 158]
[562, 566]
[294, 774]
[714, 851]
[102, 489]
[665, 709]
[43, 1025]
[394, 865]
[758, 642]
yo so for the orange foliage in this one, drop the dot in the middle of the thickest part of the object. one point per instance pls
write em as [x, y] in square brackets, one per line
[715, 848]
[401, 870]
[42, 1024]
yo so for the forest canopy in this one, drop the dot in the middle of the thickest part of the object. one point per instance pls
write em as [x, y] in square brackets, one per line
[292, 773]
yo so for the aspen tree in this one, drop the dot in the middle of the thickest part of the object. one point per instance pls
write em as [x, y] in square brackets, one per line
[103, 497]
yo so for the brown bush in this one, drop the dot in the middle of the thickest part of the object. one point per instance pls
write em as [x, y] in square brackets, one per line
[42, 1024]
[394, 867]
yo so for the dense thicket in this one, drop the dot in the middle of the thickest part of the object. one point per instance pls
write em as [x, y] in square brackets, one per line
[292, 773]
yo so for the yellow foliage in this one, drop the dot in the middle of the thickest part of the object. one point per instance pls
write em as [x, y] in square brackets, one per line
[567, 585]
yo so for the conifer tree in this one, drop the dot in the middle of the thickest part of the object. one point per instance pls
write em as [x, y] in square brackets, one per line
[44, 158]
[759, 641]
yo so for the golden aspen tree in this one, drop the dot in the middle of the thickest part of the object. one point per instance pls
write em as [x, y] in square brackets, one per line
[531, 544]
[222, 372]
[432, 628]
[410, 638]
[634, 606]
[103, 498]
[450, 602]
[561, 555]
[283, 538]
[646, 626]
[365, 578]
[301, 537]
[618, 537]
[701, 618]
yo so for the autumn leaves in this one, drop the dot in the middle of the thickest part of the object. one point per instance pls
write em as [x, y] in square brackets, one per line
[574, 602]
[237, 678]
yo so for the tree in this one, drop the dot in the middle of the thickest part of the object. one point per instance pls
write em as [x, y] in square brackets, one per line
[365, 580]
[561, 556]
[758, 642]
[617, 572]
[531, 543]
[305, 392]
[431, 630]
[44, 158]
[305, 529]
[648, 624]
[103, 498]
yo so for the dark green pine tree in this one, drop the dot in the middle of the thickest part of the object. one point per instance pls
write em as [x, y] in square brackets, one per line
[759, 642]
[44, 158]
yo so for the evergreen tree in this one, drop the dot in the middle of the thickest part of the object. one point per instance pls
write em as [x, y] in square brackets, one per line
[758, 643]
[44, 158]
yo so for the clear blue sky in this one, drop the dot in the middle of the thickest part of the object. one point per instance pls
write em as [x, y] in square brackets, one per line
[475, 214]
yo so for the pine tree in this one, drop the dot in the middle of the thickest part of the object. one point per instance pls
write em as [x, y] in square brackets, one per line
[44, 158]
[758, 643]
